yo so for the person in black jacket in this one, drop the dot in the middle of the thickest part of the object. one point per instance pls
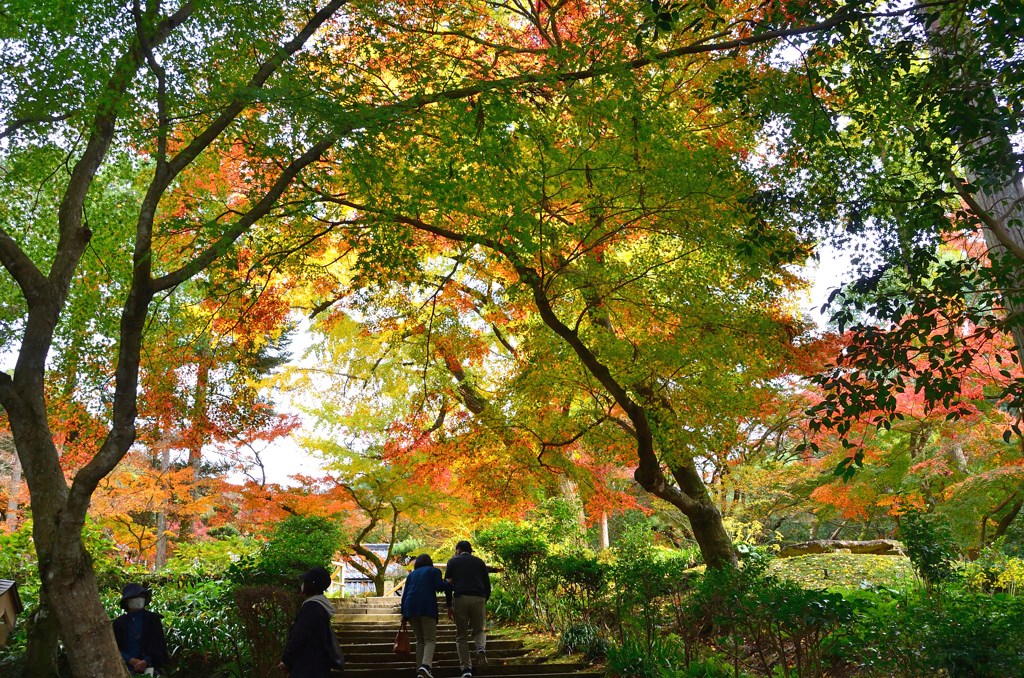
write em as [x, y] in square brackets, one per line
[311, 640]
[140, 633]
[472, 587]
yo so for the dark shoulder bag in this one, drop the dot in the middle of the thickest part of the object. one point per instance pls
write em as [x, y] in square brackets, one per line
[335, 657]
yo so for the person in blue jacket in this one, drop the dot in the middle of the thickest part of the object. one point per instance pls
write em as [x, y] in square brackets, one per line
[139, 633]
[419, 608]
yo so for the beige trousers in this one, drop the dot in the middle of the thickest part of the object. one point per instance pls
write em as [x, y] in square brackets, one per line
[470, 611]
[425, 630]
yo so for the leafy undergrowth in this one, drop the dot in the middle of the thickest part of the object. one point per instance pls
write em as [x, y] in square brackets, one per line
[846, 570]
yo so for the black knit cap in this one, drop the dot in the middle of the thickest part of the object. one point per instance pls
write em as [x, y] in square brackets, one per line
[318, 580]
[134, 590]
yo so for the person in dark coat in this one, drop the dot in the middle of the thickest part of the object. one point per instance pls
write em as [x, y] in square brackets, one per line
[140, 633]
[308, 652]
[419, 608]
[472, 587]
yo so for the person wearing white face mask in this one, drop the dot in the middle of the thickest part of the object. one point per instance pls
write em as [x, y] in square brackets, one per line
[139, 632]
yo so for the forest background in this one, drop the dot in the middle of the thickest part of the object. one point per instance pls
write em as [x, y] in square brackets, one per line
[545, 253]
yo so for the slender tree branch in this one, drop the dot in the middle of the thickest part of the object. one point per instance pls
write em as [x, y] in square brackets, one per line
[261, 209]
[22, 122]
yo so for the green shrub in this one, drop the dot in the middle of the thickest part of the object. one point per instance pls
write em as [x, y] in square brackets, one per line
[266, 613]
[573, 584]
[509, 603]
[930, 548]
[642, 660]
[642, 577]
[793, 631]
[211, 558]
[953, 632]
[712, 667]
[517, 548]
[585, 638]
[296, 544]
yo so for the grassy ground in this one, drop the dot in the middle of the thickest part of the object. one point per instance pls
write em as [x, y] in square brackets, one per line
[846, 571]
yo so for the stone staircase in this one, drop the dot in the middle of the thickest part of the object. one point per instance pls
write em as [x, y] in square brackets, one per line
[366, 629]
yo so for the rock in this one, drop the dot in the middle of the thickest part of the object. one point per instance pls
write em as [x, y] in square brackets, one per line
[876, 547]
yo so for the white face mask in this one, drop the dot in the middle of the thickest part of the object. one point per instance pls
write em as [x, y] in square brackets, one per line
[135, 604]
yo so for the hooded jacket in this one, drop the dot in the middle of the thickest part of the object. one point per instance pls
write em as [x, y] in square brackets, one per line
[307, 654]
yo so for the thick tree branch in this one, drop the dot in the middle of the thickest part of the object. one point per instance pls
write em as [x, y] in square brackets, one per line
[30, 279]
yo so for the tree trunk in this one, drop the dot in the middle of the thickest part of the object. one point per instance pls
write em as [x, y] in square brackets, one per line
[1003, 205]
[161, 519]
[571, 493]
[76, 601]
[65, 569]
[604, 531]
[43, 633]
[996, 208]
[1007, 520]
[197, 438]
[712, 537]
[12, 497]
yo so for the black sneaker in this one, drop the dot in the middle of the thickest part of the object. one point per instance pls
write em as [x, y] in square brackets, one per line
[467, 672]
[424, 672]
[481, 658]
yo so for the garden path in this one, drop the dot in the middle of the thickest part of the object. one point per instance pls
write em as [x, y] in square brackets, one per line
[366, 629]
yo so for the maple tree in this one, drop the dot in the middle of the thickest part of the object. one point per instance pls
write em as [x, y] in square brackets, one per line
[905, 147]
[621, 248]
[382, 499]
[116, 109]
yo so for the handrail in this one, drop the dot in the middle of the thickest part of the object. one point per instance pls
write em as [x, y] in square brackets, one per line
[396, 587]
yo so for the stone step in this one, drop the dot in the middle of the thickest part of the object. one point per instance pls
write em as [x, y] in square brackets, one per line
[368, 617]
[502, 658]
[454, 672]
[352, 638]
[395, 662]
[440, 653]
[491, 670]
[385, 648]
[356, 603]
[357, 637]
[375, 626]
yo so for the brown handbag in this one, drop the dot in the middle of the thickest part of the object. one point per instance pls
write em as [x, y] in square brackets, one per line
[401, 646]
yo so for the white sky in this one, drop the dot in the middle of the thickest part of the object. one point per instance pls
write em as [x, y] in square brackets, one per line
[285, 457]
